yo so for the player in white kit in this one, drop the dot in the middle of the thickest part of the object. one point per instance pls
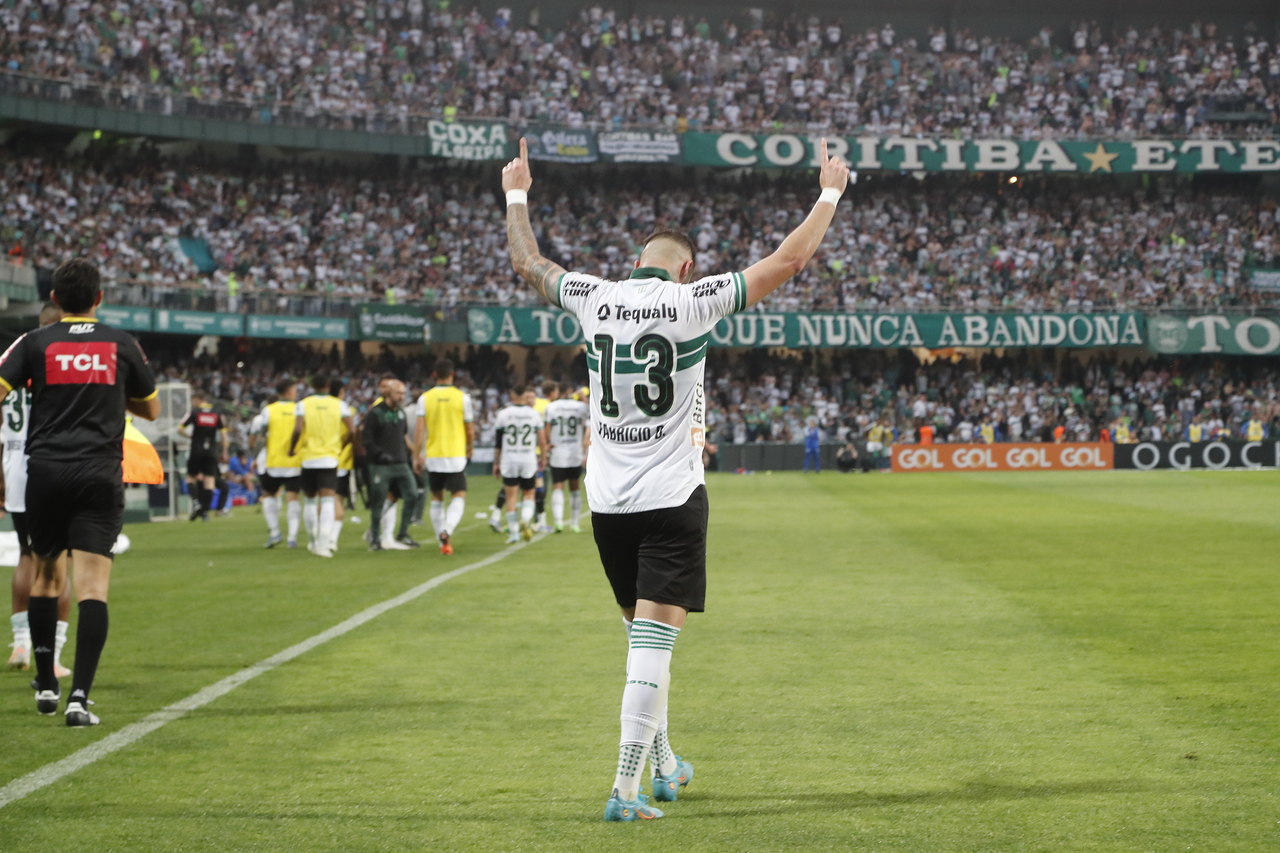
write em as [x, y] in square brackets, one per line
[567, 421]
[646, 342]
[15, 415]
[519, 435]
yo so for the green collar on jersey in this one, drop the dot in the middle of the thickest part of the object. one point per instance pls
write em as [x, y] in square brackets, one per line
[650, 272]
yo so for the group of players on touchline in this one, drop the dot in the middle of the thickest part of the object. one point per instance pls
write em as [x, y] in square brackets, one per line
[310, 447]
[646, 337]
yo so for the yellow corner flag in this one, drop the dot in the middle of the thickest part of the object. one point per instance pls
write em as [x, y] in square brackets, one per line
[141, 462]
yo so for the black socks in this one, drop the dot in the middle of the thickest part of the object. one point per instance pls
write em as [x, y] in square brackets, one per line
[42, 617]
[91, 636]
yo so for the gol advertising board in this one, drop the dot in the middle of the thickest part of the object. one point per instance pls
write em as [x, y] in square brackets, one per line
[1185, 455]
[1081, 456]
[198, 322]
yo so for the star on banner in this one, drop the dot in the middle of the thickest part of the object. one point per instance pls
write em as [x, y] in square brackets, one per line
[1099, 159]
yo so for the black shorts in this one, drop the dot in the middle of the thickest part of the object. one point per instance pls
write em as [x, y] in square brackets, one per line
[442, 481]
[202, 463]
[271, 486]
[20, 528]
[76, 505]
[526, 484]
[559, 475]
[344, 485]
[315, 479]
[658, 555]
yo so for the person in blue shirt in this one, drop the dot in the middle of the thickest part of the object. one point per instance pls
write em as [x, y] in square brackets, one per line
[812, 438]
[240, 473]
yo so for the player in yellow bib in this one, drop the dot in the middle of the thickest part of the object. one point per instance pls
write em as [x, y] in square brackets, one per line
[281, 470]
[346, 461]
[323, 428]
[445, 426]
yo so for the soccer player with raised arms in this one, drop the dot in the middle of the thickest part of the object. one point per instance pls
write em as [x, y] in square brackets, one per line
[647, 341]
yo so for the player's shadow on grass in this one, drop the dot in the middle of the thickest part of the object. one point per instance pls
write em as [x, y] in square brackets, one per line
[970, 792]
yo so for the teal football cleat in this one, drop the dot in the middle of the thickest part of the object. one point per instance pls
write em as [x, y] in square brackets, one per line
[667, 788]
[618, 809]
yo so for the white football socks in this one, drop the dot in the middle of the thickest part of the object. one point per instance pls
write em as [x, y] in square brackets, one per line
[21, 630]
[557, 507]
[389, 522]
[575, 508]
[293, 512]
[526, 512]
[513, 523]
[59, 640]
[662, 759]
[437, 517]
[311, 517]
[325, 527]
[644, 700]
[271, 512]
[453, 515]
[337, 531]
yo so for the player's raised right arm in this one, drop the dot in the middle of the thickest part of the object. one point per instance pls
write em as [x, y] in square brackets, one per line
[767, 275]
[541, 273]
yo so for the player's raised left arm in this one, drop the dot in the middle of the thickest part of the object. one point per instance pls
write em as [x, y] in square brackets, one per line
[541, 273]
[767, 275]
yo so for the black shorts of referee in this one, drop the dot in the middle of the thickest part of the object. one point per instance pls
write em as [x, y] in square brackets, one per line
[657, 555]
[202, 465]
[77, 505]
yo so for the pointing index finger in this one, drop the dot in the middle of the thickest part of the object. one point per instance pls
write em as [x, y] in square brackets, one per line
[524, 151]
[823, 150]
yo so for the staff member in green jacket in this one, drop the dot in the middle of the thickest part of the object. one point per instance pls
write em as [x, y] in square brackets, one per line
[384, 434]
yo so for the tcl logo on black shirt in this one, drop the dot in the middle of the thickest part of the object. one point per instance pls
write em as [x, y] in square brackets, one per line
[93, 363]
[81, 373]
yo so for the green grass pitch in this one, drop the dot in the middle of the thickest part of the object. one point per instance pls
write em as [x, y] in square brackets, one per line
[943, 663]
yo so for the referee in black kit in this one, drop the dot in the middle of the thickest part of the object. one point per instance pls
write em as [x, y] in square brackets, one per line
[83, 376]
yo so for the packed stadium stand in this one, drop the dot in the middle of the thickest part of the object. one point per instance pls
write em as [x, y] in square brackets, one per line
[382, 65]
[437, 234]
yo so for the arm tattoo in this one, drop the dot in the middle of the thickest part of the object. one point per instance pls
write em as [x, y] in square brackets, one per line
[540, 272]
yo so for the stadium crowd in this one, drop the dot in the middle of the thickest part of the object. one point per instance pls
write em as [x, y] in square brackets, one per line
[373, 64]
[847, 396]
[438, 236]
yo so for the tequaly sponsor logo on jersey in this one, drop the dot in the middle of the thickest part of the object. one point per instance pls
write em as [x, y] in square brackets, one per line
[89, 363]
[636, 315]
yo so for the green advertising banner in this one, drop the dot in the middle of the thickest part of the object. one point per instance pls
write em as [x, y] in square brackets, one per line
[1214, 333]
[469, 140]
[377, 321]
[561, 144]
[549, 326]
[316, 328]
[122, 317]
[198, 323]
[898, 153]
[639, 146]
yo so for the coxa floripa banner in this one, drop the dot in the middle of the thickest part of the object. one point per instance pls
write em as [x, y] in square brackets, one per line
[909, 154]
[1082, 456]
[552, 327]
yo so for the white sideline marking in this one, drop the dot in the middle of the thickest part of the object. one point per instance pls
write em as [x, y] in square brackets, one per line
[50, 773]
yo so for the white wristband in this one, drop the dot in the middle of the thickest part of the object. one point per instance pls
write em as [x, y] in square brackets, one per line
[830, 195]
[517, 197]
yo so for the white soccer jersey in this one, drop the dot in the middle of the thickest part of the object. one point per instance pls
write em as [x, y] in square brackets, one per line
[566, 421]
[647, 343]
[516, 430]
[15, 414]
